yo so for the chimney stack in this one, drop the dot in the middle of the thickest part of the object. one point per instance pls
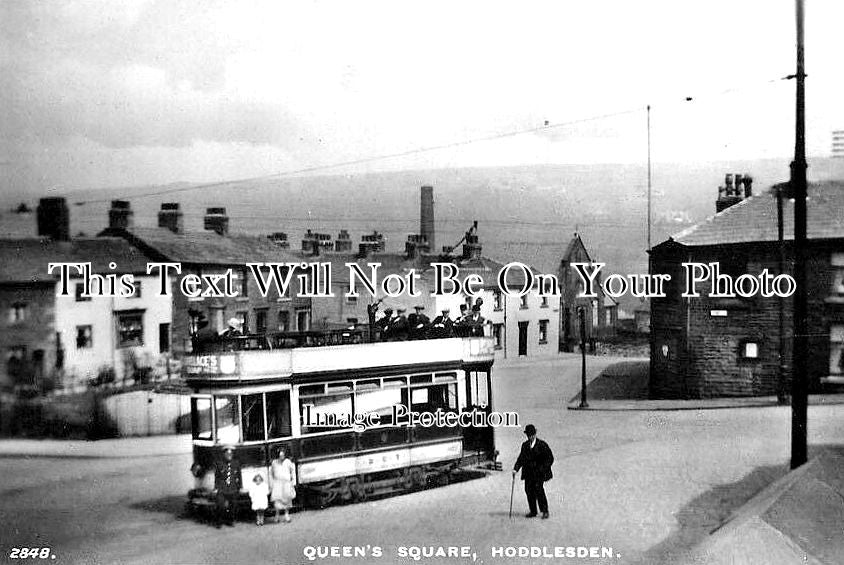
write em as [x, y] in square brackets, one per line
[216, 220]
[315, 243]
[280, 239]
[343, 243]
[426, 216]
[748, 186]
[310, 246]
[415, 245]
[120, 215]
[472, 244]
[371, 243]
[170, 217]
[53, 218]
[731, 193]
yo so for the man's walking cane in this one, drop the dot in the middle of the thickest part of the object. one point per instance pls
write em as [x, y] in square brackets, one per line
[512, 488]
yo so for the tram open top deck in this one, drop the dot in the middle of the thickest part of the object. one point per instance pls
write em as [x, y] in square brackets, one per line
[222, 368]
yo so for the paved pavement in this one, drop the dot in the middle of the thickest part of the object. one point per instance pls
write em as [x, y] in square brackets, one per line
[647, 483]
[700, 404]
[106, 448]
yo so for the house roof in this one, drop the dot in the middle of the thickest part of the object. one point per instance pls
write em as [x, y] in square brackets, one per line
[399, 263]
[755, 219]
[26, 260]
[205, 247]
[575, 243]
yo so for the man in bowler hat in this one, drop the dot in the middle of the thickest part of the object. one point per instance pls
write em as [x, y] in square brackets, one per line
[535, 460]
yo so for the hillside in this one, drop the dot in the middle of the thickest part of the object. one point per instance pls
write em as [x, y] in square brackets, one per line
[525, 213]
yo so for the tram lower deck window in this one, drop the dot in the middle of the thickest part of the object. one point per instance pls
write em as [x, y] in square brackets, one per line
[252, 408]
[434, 397]
[278, 414]
[381, 401]
[200, 410]
[324, 413]
[228, 427]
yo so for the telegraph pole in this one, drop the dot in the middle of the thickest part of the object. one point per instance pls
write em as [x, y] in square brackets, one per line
[649, 176]
[581, 315]
[799, 379]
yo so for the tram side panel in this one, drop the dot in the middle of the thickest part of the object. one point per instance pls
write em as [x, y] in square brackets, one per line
[395, 450]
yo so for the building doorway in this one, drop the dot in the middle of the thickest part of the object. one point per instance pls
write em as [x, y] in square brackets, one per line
[523, 333]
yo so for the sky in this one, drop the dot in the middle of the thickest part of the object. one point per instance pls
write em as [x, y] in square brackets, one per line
[138, 92]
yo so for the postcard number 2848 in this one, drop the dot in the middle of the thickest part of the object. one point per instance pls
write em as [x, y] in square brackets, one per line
[31, 553]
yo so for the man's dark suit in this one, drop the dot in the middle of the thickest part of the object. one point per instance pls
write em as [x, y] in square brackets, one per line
[535, 464]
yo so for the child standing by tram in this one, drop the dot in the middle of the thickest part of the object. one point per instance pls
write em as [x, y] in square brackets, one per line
[283, 474]
[258, 494]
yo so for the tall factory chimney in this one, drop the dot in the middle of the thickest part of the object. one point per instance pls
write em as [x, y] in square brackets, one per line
[53, 218]
[426, 216]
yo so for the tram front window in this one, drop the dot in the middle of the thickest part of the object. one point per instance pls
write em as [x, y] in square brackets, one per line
[200, 409]
[252, 406]
[278, 414]
[228, 428]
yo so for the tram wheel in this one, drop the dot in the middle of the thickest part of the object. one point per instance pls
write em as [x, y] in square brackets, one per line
[345, 490]
[357, 486]
[406, 480]
[326, 497]
[418, 477]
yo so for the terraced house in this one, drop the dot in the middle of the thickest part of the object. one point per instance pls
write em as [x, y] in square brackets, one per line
[54, 340]
[213, 251]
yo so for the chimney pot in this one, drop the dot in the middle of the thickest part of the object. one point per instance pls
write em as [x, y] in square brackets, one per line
[472, 246]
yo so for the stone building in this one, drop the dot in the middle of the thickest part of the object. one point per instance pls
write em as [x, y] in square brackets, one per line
[709, 346]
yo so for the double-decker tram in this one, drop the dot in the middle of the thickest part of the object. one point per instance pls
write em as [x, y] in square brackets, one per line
[358, 419]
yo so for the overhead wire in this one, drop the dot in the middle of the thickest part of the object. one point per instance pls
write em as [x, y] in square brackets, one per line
[547, 125]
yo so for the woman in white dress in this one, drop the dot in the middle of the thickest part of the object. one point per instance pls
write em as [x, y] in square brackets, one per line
[283, 475]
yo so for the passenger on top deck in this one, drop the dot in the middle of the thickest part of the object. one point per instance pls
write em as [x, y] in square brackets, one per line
[418, 323]
[205, 339]
[442, 326]
[475, 323]
[382, 325]
[398, 329]
[235, 328]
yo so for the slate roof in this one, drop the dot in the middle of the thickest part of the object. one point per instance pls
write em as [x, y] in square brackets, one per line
[755, 219]
[26, 260]
[575, 243]
[205, 247]
[398, 263]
